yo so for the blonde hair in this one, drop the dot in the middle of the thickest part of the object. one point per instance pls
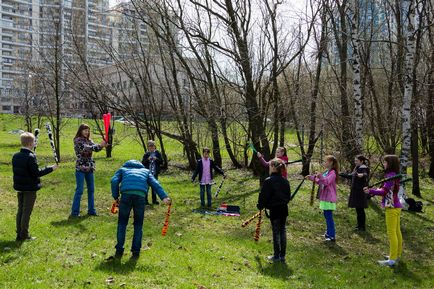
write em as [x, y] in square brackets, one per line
[278, 164]
[27, 139]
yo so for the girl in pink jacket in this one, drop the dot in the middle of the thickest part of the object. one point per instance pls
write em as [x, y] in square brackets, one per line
[327, 196]
[280, 154]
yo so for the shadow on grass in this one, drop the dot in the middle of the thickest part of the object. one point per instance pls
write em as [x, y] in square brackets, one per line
[275, 270]
[368, 237]
[419, 215]
[117, 266]
[6, 246]
[335, 248]
[76, 222]
[405, 273]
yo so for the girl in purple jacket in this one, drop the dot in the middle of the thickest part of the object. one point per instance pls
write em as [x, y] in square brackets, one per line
[327, 196]
[390, 202]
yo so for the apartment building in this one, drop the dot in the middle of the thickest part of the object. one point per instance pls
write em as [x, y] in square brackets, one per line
[28, 30]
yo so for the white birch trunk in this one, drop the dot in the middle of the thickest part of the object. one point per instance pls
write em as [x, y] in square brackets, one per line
[410, 48]
[357, 92]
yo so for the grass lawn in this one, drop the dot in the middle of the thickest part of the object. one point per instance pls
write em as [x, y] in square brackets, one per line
[199, 251]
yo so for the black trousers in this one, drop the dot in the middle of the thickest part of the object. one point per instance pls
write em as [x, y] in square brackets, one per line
[154, 195]
[26, 201]
[361, 218]
[279, 237]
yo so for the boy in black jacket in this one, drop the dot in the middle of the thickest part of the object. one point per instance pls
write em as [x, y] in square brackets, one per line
[204, 169]
[275, 196]
[26, 182]
[152, 160]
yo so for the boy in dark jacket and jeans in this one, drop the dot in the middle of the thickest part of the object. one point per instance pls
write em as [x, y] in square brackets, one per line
[152, 160]
[133, 180]
[204, 169]
[26, 182]
[275, 196]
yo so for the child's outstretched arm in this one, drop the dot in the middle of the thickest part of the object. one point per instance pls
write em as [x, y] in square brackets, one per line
[327, 180]
[155, 185]
[36, 171]
[263, 162]
[116, 180]
[218, 169]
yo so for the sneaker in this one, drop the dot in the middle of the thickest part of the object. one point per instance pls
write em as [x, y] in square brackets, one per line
[360, 229]
[273, 259]
[388, 263]
[330, 239]
[29, 238]
[386, 257]
[135, 255]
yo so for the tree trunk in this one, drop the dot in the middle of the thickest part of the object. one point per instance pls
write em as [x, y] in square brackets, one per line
[408, 88]
[358, 106]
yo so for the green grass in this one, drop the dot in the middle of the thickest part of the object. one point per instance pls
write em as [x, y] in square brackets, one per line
[209, 251]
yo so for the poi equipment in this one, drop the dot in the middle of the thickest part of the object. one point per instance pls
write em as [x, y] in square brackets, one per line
[50, 137]
[219, 188]
[258, 227]
[297, 189]
[106, 119]
[252, 147]
[115, 207]
[36, 134]
[248, 221]
[166, 222]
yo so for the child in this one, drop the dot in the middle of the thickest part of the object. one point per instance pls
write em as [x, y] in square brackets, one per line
[327, 195]
[275, 196]
[132, 180]
[152, 161]
[26, 182]
[280, 154]
[204, 169]
[358, 200]
[84, 168]
[392, 205]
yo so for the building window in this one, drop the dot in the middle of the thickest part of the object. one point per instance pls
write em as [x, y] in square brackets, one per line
[6, 108]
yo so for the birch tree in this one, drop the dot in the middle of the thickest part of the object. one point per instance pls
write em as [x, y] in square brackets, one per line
[410, 48]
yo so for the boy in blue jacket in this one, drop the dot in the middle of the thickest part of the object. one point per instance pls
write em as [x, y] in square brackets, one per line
[132, 181]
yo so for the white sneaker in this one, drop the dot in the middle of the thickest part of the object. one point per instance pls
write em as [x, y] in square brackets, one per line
[386, 257]
[389, 263]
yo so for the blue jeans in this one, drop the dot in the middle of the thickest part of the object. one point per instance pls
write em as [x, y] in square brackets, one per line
[137, 204]
[80, 177]
[328, 215]
[208, 195]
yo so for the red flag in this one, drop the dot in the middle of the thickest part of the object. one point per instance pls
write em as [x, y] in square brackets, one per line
[106, 119]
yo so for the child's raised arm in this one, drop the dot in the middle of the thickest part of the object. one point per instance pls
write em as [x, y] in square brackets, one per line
[327, 180]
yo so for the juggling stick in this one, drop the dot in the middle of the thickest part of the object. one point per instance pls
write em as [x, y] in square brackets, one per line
[297, 189]
[115, 207]
[166, 222]
[398, 176]
[248, 221]
[36, 134]
[219, 188]
[50, 137]
[293, 162]
[312, 194]
[258, 227]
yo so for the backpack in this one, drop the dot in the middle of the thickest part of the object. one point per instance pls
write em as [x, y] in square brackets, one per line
[413, 205]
